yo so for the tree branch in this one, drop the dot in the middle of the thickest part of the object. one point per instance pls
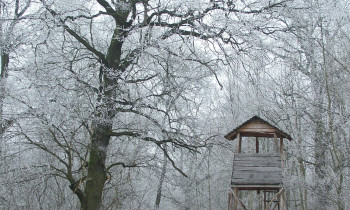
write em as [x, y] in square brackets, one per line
[107, 7]
[80, 39]
[121, 164]
[172, 161]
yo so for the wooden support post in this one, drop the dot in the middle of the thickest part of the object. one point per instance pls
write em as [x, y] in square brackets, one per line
[273, 198]
[230, 200]
[239, 143]
[278, 203]
[282, 153]
[238, 201]
[235, 191]
[264, 199]
[282, 196]
[257, 151]
[275, 142]
[283, 205]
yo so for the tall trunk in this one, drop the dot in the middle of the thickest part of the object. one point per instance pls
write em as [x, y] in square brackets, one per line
[301, 169]
[209, 185]
[161, 180]
[102, 125]
[100, 138]
[3, 74]
[4, 64]
[320, 167]
[96, 167]
[6, 35]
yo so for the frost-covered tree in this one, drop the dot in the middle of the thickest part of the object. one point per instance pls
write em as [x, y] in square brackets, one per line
[114, 82]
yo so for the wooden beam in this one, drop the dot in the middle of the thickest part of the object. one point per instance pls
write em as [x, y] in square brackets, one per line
[247, 155]
[238, 201]
[275, 142]
[230, 200]
[239, 143]
[283, 202]
[257, 187]
[282, 198]
[274, 197]
[235, 195]
[257, 144]
[282, 153]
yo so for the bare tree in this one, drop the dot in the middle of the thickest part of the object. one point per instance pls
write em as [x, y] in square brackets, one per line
[100, 82]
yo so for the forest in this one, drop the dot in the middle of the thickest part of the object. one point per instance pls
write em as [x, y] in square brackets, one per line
[124, 104]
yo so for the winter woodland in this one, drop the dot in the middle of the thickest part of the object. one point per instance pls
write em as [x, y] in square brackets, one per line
[124, 104]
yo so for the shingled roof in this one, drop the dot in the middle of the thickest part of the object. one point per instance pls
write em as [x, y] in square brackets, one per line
[257, 127]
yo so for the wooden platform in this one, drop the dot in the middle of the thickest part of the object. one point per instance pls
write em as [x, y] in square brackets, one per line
[257, 171]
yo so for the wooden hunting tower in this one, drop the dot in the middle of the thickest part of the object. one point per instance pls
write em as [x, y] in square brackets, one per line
[258, 171]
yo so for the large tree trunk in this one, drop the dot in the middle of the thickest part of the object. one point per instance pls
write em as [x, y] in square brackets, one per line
[3, 74]
[96, 166]
[102, 124]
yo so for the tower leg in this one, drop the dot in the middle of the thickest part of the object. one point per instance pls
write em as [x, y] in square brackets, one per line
[230, 200]
[283, 205]
[235, 191]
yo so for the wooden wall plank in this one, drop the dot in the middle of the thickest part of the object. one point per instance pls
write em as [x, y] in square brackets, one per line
[265, 176]
[260, 163]
[258, 155]
[256, 182]
[257, 169]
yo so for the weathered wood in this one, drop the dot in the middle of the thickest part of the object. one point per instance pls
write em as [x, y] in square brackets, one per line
[230, 200]
[257, 169]
[249, 133]
[258, 130]
[256, 124]
[276, 148]
[282, 154]
[258, 158]
[266, 178]
[282, 196]
[283, 201]
[257, 127]
[237, 200]
[258, 163]
[235, 195]
[274, 197]
[258, 176]
[256, 181]
[239, 144]
[276, 154]
[257, 186]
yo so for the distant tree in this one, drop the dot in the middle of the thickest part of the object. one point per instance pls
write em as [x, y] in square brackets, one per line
[12, 15]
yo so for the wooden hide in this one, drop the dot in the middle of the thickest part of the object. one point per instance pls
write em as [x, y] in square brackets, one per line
[257, 169]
